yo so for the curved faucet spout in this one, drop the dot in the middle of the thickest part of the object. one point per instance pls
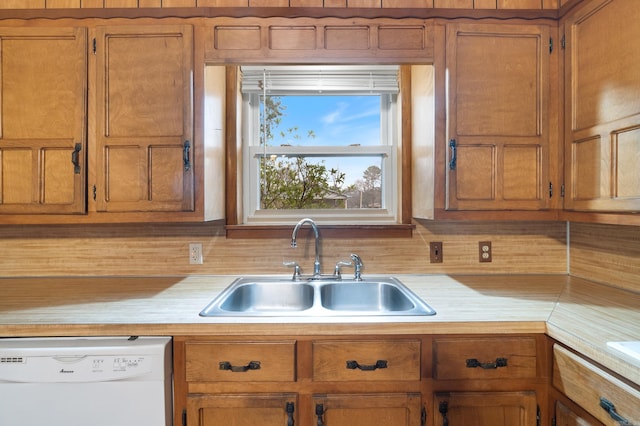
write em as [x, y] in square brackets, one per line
[316, 234]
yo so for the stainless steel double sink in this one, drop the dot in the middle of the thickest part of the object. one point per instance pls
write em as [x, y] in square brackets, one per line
[277, 296]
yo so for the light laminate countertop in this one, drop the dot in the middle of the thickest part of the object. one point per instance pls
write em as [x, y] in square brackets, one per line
[579, 313]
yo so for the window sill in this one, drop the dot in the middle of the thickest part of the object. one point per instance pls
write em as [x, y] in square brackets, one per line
[326, 231]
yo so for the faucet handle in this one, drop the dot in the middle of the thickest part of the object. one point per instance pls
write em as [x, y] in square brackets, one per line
[357, 266]
[337, 273]
[296, 269]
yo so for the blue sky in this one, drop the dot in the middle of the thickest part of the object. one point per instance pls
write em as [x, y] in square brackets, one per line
[335, 120]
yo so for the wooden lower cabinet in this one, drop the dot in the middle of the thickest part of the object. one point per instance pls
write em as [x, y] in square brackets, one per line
[485, 409]
[242, 410]
[609, 399]
[564, 416]
[361, 380]
[367, 410]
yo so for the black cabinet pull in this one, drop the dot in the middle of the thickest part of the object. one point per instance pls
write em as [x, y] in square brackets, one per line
[289, 408]
[443, 408]
[611, 410]
[75, 158]
[186, 159]
[352, 365]
[499, 362]
[226, 365]
[453, 160]
[319, 413]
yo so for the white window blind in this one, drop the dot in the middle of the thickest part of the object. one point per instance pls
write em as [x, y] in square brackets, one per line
[275, 80]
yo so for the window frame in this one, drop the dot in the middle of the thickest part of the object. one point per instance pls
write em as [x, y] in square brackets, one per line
[235, 229]
[252, 151]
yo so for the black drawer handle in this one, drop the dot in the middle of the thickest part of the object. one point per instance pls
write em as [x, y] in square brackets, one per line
[611, 410]
[352, 365]
[226, 365]
[500, 362]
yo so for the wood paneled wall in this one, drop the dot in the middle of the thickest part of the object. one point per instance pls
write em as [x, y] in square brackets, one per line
[606, 253]
[518, 247]
[377, 4]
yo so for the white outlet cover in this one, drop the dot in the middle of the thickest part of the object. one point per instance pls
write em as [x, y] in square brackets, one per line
[195, 254]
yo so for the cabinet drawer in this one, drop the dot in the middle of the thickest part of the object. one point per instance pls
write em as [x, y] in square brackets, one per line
[240, 361]
[366, 360]
[484, 358]
[586, 384]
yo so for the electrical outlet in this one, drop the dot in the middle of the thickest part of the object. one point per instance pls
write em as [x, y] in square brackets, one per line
[195, 254]
[484, 251]
[435, 252]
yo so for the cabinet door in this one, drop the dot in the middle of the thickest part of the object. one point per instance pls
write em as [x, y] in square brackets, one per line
[485, 409]
[367, 410]
[566, 417]
[242, 410]
[144, 123]
[497, 117]
[42, 122]
[602, 92]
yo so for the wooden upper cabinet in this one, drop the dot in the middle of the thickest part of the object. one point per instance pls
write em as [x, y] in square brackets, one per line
[497, 117]
[602, 132]
[42, 120]
[144, 121]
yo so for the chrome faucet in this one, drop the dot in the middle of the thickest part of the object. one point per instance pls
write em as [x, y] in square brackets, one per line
[316, 233]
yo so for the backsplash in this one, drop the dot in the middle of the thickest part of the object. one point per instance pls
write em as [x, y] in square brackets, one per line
[130, 250]
[606, 253]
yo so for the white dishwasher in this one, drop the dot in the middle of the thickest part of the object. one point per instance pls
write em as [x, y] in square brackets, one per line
[80, 381]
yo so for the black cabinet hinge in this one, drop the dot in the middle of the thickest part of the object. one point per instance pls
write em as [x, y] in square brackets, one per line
[562, 190]
[423, 417]
[184, 417]
[95, 48]
[550, 190]
[550, 45]
[563, 41]
[538, 415]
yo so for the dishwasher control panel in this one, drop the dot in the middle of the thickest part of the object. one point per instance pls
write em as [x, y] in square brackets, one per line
[75, 368]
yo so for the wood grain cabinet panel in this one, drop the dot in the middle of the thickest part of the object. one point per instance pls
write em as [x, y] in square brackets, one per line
[320, 40]
[484, 358]
[366, 360]
[587, 385]
[242, 410]
[144, 123]
[485, 409]
[602, 92]
[367, 410]
[241, 361]
[565, 417]
[498, 125]
[43, 120]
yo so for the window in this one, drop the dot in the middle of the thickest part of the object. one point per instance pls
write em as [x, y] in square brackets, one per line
[320, 141]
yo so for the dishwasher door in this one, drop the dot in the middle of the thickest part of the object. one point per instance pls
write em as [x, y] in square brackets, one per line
[82, 382]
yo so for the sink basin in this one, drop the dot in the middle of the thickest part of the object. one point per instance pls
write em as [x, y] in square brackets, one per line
[273, 296]
[262, 298]
[367, 297]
